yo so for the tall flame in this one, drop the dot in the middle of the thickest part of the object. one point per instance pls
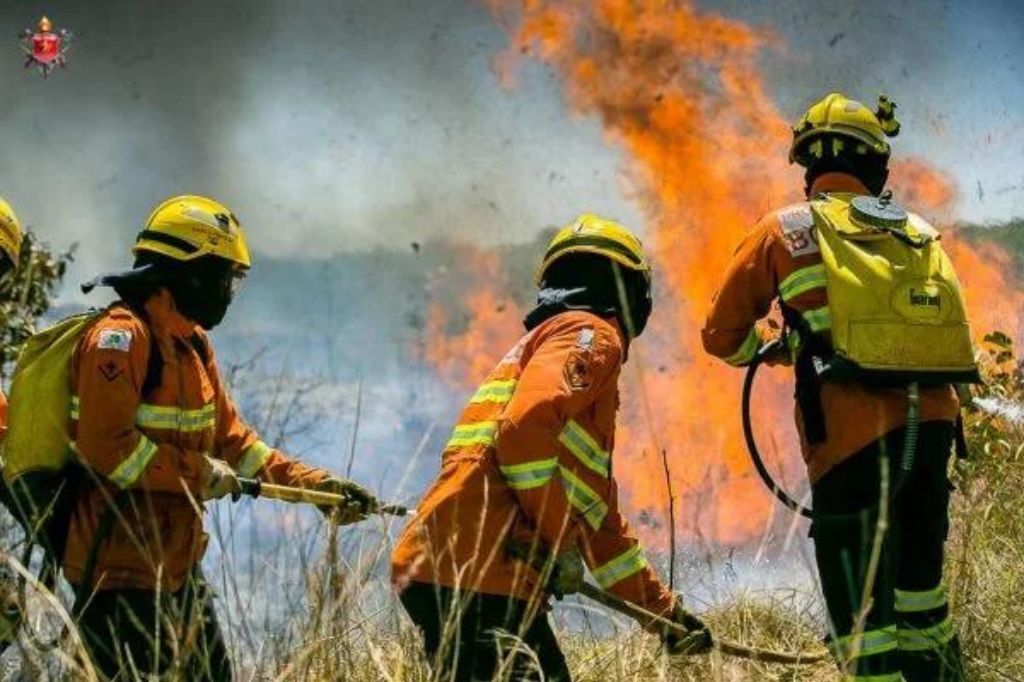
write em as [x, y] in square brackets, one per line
[680, 92]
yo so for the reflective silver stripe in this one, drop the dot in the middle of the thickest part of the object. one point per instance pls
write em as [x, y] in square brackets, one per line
[863, 644]
[161, 417]
[628, 563]
[177, 419]
[580, 443]
[924, 639]
[818, 319]
[529, 475]
[925, 600]
[253, 458]
[476, 433]
[802, 281]
[583, 498]
[747, 350]
[498, 392]
[133, 466]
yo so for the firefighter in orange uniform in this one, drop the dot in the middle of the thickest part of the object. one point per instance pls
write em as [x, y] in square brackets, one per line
[10, 253]
[846, 426]
[526, 492]
[155, 428]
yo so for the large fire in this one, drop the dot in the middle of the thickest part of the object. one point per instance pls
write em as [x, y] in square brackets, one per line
[680, 92]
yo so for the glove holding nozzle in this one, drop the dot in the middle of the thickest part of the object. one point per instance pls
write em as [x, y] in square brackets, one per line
[696, 641]
[219, 479]
[361, 502]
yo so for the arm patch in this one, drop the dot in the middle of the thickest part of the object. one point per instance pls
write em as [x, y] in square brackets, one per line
[798, 233]
[115, 339]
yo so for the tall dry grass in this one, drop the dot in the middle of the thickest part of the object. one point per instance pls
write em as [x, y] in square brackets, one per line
[301, 601]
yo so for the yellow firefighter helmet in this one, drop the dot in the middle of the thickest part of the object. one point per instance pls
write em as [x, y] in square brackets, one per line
[843, 119]
[592, 234]
[10, 233]
[188, 227]
[45, 25]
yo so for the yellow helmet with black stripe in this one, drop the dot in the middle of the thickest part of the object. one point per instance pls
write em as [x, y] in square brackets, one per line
[846, 125]
[592, 234]
[10, 233]
[188, 227]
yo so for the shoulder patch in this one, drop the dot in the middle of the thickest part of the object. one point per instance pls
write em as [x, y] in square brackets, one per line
[798, 233]
[796, 217]
[585, 340]
[576, 371]
[115, 339]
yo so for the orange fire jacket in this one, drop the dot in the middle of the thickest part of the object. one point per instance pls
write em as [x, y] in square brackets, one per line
[151, 444]
[767, 266]
[529, 464]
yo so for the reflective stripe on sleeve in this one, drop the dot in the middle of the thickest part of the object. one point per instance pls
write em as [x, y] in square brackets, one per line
[925, 639]
[132, 467]
[926, 600]
[818, 319]
[529, 475]
[583, 499]
[476, 433]
[802, 281]
[161, 417]
[868, 643]
[176, 419]
[498, 392]
[621, 567]
[253, 458]
[747, 350]
[580, 443]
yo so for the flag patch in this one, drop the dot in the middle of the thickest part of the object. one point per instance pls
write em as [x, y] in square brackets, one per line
[798, 232]
[115, 339]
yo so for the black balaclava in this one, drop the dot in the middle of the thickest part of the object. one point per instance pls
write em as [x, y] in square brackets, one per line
[584, 281]
[870, 168]
[202, 289]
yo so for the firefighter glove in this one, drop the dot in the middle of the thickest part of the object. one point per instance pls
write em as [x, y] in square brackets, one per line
[697, 639]
[567, 574]
[360, 501]
[219, 479]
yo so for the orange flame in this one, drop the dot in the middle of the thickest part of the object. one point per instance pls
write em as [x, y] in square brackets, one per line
[463, 350]
[679, 90]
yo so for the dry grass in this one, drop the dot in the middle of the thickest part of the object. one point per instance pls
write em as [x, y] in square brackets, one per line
[298, 604]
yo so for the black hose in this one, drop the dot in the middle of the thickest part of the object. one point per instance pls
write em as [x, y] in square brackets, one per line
[748, 431]
[909, 442]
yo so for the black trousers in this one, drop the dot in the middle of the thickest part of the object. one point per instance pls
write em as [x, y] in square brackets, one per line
[908, 630]
[468, 637]
[131, 633]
